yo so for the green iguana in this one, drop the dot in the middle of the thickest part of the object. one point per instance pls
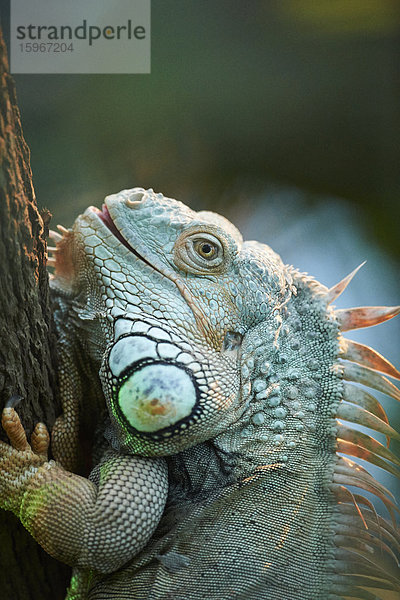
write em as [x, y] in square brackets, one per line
[204, 386]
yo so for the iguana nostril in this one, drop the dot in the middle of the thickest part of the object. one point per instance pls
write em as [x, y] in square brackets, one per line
[135, 199]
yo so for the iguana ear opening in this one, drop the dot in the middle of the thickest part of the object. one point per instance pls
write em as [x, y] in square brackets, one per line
[61, 257]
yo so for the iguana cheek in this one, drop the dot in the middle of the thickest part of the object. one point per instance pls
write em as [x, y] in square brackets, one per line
[157, 396]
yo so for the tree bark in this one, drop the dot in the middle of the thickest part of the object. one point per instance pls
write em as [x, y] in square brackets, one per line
[27, 348]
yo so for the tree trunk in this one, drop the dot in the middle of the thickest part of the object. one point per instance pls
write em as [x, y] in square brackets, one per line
[27, 348]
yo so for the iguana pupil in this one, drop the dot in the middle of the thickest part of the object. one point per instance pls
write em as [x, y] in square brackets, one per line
[206, 249]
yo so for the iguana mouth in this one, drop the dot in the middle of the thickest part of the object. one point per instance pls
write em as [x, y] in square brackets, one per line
[201, 319]
[105, 216]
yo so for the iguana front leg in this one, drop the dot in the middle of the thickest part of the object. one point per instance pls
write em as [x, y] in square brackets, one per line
[97, 523]
[65, 431]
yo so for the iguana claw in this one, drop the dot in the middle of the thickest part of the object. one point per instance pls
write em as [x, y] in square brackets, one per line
[13, 401]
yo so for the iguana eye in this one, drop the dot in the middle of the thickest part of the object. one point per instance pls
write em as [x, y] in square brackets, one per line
[206, 249]
[199, 252]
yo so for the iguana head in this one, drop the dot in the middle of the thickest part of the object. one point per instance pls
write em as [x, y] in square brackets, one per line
[174, 293]
[197, 333]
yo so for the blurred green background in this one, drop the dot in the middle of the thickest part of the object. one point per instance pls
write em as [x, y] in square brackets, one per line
[299, 92]
[282, 114]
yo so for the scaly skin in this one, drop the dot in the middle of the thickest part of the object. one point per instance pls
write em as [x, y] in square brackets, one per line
[206, 377]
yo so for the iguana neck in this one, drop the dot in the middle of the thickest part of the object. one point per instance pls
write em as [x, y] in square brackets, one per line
[291, 386]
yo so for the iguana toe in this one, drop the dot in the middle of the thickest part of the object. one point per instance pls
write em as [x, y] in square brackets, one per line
[40, 439]
[13, 427]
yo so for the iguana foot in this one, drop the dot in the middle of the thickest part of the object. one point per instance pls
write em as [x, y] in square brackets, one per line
[19, 460]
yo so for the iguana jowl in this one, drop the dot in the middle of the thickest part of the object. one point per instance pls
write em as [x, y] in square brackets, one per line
[211, 378]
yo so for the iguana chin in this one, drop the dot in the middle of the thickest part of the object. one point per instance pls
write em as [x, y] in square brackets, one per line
[214, 382]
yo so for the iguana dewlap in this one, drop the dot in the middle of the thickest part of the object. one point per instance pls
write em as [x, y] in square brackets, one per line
[215, 392]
